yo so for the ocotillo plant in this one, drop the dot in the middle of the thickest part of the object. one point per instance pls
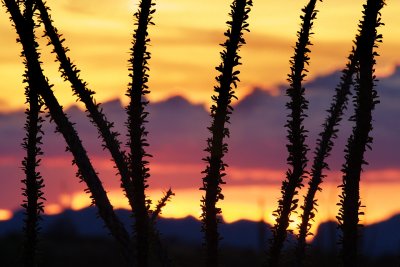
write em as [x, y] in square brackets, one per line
[38, 82]
[133, 167]
[71, 73]
[296, 135]
[220, 113]
[136, 128]
[364, 101]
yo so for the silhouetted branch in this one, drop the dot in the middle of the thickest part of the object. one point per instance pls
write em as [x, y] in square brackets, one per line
[220, 113]
[296, 135]
[33, 202]
[136, 130]
[39, 83]
[364, 101]
[70, 72]
[159, 249]
[161, 204]
[322, 151]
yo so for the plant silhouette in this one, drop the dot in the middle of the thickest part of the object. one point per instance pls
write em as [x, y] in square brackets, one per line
[330, 127]
[220, 113]
[33, 204]
[297, 147]
[136, 130]
[364, 100]
[133, 166]
[39, 83]
[70, 72]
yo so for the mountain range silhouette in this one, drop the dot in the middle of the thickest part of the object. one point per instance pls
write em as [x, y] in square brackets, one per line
[378, 240]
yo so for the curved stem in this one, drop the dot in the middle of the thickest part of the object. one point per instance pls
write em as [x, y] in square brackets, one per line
[98, 118]
[39, 83]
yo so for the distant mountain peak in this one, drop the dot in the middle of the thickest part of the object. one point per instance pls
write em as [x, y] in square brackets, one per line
[116, 102]
[396, 71]
[176, 103]
[256, 97]
[176, 100]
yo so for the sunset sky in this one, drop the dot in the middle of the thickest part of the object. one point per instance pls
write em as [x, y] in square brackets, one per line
[185, 45]
[185, 51]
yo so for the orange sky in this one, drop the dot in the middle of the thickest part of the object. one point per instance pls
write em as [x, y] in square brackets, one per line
[185, 45]
[242, 201]
[185, 51]
[254, 202]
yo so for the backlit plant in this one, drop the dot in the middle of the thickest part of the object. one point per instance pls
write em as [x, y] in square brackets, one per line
[133, 165]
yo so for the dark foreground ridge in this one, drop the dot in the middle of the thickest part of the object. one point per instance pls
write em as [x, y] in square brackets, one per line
[381, 241]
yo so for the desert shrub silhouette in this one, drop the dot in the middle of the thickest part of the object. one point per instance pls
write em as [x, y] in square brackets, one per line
[132, 166]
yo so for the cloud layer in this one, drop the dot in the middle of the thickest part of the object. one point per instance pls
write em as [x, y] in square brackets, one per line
[178, 133]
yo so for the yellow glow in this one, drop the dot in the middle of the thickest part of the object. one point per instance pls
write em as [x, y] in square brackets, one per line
[80, 201]
[258, 202]
[5, 215]
[53, 209]
[65, 200]
[252, 202]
